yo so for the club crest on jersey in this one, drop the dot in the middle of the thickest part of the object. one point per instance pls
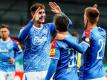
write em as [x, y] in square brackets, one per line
[87, 39]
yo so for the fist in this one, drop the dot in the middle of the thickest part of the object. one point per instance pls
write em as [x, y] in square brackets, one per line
[11, 60]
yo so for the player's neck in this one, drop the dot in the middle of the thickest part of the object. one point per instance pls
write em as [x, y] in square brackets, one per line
[91, 25]
[5, 39]
[39, 25]
[64, 33]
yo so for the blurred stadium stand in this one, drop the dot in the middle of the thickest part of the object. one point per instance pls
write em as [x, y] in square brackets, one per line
[16, 13]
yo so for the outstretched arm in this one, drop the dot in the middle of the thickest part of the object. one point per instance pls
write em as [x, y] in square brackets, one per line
[82, 47]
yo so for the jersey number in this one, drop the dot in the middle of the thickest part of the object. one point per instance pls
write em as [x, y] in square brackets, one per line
[100, 42]
[73, 59]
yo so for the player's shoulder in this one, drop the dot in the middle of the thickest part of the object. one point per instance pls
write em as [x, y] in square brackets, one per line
[73, 38]
[102, 30]
[98, 30]
[49, 24]
[62, 44]
[56, 43]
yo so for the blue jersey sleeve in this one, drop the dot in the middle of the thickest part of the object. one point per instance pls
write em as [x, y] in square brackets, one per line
[25, 31]
[52, 28]
[51, 69]
[16, 47]
[54, 60]
[20, 56]
[19, 52]
[82, 47]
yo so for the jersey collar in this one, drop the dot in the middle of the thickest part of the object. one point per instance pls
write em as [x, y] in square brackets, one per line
[6, 40]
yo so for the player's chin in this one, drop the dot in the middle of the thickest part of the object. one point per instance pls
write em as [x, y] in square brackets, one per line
[41, 21]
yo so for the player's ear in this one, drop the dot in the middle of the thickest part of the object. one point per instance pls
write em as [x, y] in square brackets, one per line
[32, 14]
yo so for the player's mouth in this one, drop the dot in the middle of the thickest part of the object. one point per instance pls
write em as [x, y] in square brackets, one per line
[42, 18]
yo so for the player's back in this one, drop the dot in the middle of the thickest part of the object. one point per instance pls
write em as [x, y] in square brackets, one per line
[93, 57]
[67, 62]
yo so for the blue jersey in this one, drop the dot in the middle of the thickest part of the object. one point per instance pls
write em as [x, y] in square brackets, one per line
[36, 46]
[93, 48]
[94, 55]
[8, 49]
[66, 68]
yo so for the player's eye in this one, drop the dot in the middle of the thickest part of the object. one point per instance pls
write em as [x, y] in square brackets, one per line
[3, 31]
[43, 12]
[40, 12]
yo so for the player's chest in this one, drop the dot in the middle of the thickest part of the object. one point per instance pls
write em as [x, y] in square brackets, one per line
[39, 36]
[39, 32]
[6, 47]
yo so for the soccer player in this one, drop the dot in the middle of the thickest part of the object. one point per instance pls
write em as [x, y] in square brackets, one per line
[36, 37]
[92, 47]
[8, 51]
[63, 58]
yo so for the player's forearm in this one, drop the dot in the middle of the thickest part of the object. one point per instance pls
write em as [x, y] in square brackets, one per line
[82, 47]
[24, 33]
[20, 56]
[70, 22]
[51, 69]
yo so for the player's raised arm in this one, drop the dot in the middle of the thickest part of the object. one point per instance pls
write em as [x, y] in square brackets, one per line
[25, 31]
[55, 8]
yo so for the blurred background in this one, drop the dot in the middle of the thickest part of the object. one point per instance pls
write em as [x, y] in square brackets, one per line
[16, 14]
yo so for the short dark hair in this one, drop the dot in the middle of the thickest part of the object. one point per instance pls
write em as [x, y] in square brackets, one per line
[35, 6]
[92, 14]
[4, 26]
[61, 23]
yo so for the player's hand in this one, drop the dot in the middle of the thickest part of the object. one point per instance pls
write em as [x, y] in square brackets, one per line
[60, 36]
[11, 60]
[55, 8]
[36, 15]
[95, 6]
